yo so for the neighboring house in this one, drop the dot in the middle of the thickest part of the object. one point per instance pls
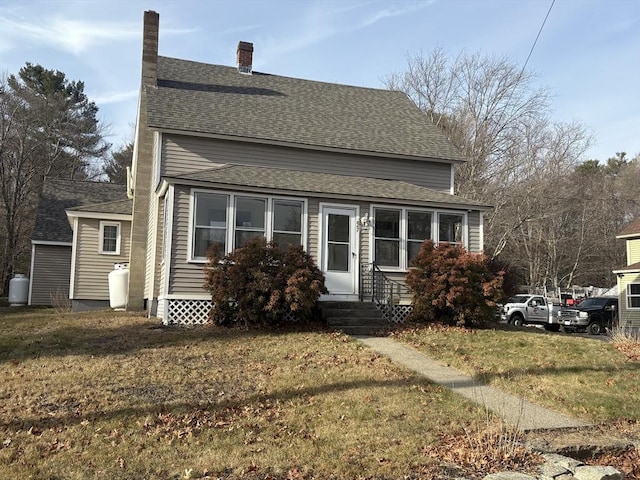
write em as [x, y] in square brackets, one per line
[223, 154]
[629, 278]
[81, 230]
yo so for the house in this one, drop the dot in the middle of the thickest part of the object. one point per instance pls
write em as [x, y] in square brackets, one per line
[224, 154]
[629, 278]
[359, 177]
[81, 230]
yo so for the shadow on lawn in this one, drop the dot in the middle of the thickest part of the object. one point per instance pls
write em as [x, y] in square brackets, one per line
[220, 408]
[81, 335]
[487, 378]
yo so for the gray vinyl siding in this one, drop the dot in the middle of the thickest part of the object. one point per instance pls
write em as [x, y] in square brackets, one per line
[313, 237]
[187, 278]
[473, 219]
[183, 154]
[92, 268]
[51, 273]
[154, 246]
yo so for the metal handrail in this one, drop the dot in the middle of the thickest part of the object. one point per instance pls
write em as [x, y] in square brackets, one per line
[375, 285]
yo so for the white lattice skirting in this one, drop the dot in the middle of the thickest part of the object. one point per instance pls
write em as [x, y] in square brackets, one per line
[187, 312]
[395, 313]
[196, 312]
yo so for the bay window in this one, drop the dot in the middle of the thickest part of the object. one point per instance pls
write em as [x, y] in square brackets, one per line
[399, 233]
[232, 220]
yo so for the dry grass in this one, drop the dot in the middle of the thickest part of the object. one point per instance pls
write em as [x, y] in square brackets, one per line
[584, 377]
[107, 395]
[627, 343]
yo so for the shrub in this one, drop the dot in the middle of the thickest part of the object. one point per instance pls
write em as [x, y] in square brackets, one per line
[259, 284]
[453, 286]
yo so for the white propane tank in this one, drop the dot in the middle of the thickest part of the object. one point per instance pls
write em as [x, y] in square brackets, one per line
[18, 290]
[118, 286]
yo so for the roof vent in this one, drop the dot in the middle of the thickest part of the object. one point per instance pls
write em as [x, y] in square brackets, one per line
[245, 57]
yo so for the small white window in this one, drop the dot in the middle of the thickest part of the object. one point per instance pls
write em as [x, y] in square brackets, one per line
[110, 238]
[633, 295]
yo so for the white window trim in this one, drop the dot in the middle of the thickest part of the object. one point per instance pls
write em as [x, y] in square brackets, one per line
[101, 239]
[629, 295]
[435, 230]
[231, 218]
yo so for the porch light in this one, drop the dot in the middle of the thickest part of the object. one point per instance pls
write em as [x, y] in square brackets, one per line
[363, 223]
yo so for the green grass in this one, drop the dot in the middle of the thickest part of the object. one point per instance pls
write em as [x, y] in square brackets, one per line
[579, 376]
[107, 395]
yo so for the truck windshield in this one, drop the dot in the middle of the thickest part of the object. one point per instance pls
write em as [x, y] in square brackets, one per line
[519, 299]
[593, 302]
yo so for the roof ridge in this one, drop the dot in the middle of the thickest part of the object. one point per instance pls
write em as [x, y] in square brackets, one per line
[298, 79]
[87, 205]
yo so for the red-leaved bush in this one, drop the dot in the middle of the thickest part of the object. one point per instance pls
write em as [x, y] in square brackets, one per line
[453, 286]
[260, 284]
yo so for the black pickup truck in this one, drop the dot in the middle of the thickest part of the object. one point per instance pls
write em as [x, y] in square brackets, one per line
[594, 315]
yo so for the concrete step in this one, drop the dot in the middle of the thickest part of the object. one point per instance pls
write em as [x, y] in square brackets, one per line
[353, 318]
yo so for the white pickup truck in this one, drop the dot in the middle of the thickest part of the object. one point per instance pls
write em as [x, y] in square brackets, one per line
[527, 309]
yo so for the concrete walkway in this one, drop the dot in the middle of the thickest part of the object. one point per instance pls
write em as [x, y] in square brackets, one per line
[513, 410]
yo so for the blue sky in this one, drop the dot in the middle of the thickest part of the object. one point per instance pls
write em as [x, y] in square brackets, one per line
[588, 54]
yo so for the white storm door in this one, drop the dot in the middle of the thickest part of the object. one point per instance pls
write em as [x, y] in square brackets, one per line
[339, 249]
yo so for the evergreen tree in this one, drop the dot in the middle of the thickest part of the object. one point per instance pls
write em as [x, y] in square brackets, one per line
[48, 127]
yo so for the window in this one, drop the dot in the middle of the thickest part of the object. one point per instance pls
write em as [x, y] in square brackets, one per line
[399, 233]
[110, 238]
[210, 223]
[450, 228]
[287, 222]
[387, 237]
[419, 230]
[233, 220]
[250, 214]
[633, 295]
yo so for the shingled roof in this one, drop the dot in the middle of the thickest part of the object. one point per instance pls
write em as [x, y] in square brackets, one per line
[220, 101]
[632, 229]
[325, 184]
[59, 195]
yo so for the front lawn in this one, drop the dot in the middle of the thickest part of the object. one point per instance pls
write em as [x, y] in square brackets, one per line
[583, 377]
[108, 395]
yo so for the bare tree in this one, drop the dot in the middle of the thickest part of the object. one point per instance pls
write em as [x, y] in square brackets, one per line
[492, 110]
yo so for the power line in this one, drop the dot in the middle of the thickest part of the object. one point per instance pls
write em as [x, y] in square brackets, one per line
[538, 36]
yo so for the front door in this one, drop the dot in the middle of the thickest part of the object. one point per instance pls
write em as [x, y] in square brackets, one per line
[339, 249]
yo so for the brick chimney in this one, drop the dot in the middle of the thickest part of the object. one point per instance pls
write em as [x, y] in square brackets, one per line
[141, 170]
[245, 57]
[150, 48]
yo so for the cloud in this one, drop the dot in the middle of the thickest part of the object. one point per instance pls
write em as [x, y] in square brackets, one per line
[322, 25]
[71, 36]
[113, 97]
[390, 12]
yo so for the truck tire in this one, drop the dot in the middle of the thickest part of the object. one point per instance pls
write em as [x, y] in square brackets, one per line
[595, 328]
[517, 320]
